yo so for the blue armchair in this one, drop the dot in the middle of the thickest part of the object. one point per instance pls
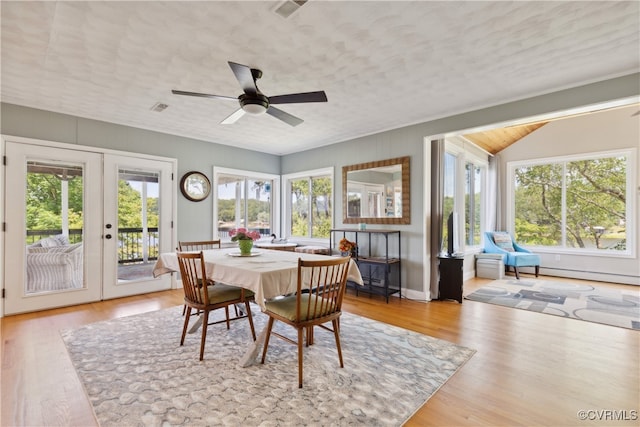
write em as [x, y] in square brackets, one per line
[500, 242]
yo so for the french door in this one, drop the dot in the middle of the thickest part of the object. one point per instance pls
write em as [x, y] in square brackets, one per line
[82, 226]
[134, 235]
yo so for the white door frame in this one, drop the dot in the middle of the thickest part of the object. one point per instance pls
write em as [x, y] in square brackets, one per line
[112, 287]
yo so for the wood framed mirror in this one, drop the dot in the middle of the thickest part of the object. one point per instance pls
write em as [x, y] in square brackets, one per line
[377, 192]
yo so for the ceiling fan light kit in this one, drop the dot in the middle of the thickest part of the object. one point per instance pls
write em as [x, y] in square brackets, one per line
[252, 101]
[254, 105]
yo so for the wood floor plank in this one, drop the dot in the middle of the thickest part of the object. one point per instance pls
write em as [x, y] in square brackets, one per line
[529, 369]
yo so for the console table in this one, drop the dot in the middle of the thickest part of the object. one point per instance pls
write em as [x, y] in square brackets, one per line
[380, 268]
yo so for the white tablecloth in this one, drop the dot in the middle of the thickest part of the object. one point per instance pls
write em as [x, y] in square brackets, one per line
[268, 274]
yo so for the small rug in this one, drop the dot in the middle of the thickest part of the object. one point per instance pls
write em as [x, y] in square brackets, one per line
[575, 300]
[136, 373]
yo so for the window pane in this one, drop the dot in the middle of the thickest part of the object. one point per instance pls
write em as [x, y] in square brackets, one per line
[229, 203]
[449, 194]
[244, 202]
[299, 207]
[322, 212]
[593, 213]
[596, 203]
[538, 205]
[310, 204]
[473, 188]
[259, 206]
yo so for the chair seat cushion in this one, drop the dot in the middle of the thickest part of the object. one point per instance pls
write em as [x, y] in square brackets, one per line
[522, 259]
[220, 293]
[286, 307]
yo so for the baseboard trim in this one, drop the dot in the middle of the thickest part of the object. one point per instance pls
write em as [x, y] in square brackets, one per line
[587, 275]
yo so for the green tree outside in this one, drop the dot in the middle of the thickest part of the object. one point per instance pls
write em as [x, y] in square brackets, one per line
[594, 191]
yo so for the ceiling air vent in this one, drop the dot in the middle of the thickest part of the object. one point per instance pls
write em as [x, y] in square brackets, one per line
[159, 107]
[287, 8]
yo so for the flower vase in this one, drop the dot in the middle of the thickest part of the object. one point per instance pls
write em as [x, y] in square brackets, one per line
[245, 246]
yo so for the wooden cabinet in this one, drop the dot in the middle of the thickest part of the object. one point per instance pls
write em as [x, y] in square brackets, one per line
[378, 257]
[451, 275]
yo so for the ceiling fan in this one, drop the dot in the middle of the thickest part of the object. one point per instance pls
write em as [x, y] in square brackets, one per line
[253, 101]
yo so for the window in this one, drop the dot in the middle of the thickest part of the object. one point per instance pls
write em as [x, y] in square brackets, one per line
[577, 203]
[465, 172]
[308, 207]
[244, 199]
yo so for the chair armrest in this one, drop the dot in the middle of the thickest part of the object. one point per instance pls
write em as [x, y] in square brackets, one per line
[519, 248]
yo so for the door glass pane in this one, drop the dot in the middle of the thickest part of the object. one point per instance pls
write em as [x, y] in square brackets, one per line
[138, 215]
[54, 212]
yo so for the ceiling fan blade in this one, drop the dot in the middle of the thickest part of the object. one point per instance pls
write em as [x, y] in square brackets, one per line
[203, 95]
[295, 98]
[233, 117]
[245, 77]
[285, 117]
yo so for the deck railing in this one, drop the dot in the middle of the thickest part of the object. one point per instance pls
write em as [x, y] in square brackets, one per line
[130, 241]
[131, 245]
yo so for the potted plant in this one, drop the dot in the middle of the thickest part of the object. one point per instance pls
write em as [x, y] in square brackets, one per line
[348, 248]
[244, 238]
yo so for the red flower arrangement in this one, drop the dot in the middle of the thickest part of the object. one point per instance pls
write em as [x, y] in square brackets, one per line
[347, 246]
[243, 234]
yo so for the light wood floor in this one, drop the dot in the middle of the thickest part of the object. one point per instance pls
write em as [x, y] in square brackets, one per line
[529, 369]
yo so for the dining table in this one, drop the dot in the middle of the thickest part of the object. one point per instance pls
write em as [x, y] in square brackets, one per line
[268, 273]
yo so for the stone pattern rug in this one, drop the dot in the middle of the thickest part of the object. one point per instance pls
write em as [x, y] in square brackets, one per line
[573, 300]
[136, 374]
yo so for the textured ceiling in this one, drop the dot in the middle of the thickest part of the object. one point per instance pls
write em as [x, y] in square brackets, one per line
[383, 65]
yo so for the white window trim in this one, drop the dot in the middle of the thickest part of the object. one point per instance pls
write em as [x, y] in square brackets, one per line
[286, 199]
[275, 194]
[632, 225]
[465, 152]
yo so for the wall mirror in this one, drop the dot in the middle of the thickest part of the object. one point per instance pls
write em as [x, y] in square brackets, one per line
[377, 192]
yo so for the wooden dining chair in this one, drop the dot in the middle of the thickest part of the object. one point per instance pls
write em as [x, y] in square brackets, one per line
[318, 300]
[205, 296]
[201, 245]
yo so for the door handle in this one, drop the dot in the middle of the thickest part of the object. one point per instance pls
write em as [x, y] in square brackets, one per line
[107, 236]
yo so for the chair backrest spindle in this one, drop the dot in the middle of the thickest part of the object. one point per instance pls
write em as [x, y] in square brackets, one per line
[201, 245]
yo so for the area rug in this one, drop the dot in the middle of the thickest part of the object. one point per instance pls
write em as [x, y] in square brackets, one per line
[574, 300]
[135, 373]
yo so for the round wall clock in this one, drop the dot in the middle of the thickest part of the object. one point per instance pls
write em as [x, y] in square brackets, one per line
[195, 186]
